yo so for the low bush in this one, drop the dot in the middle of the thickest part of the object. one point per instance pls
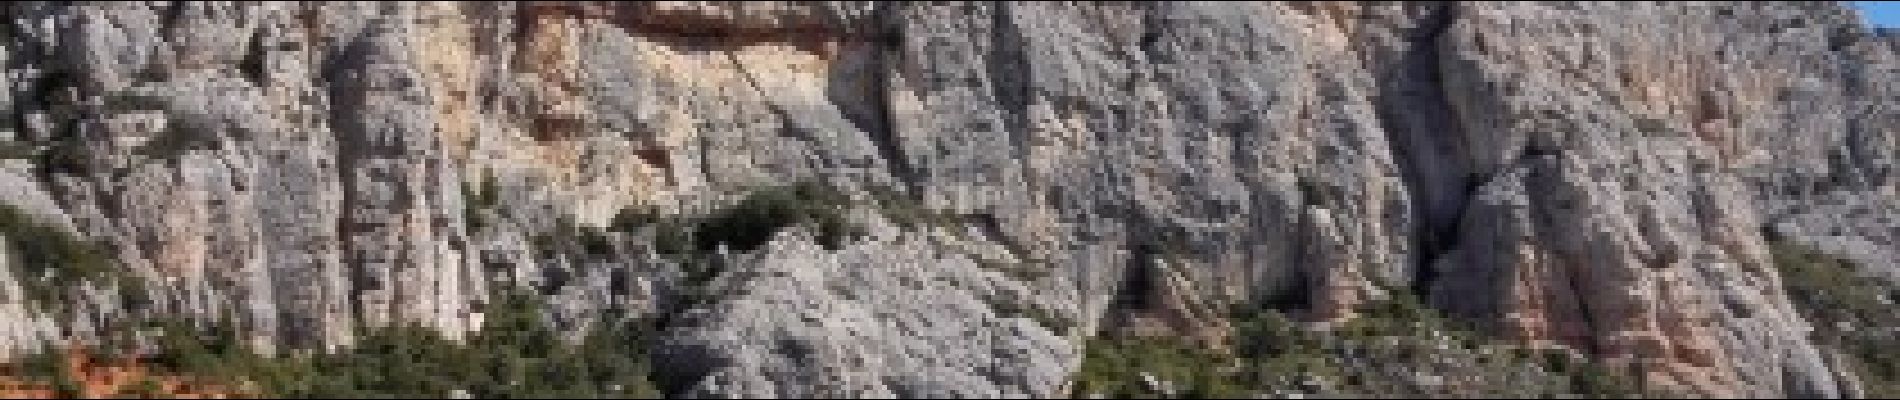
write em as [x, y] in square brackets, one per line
[752, 222]
[1851, 312]
[47, 259]
[516, 355]
[1396, 347]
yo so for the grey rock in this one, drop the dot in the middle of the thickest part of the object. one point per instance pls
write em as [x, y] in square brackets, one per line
[894, 317]
[25, 329]
[1554, 170]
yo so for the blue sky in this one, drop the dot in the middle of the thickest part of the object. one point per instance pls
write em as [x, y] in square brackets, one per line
[1880, 13]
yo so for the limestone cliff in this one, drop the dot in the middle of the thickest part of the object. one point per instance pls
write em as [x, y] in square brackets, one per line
[1594, 177]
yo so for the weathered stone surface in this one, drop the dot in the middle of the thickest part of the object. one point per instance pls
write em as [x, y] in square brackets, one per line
[905, 316]
[1595, 176]
[26, 329]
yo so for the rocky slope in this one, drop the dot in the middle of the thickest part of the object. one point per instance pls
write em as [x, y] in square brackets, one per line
[1594, 177]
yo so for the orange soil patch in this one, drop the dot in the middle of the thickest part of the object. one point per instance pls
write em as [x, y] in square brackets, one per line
[109, 378]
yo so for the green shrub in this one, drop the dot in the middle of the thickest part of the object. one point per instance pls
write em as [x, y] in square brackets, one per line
[168, 146]
[48, 259]
[633, 218]
[752, 222]
[65, 387]
[568, 237]
[908, 213]
[482, 197]
[1832, 294]
[1379, 353]
[516, 355]
[1050, 320]
[743, 226]
[1113, 367]
[146, 388]
[44, 366]
[17, 149]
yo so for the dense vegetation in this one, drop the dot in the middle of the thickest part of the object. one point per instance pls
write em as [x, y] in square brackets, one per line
[479, 197]
[1395, 342]
[747, 224]
[1850, 312]
[691, 240]
[47, 260]
[742, 226]
[516, 355]
[1395, 348]
[753, 221]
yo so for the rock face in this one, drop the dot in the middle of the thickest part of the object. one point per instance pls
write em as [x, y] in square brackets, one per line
[1609, 214]
[27, 329]
[905, 317]
[1594, 176]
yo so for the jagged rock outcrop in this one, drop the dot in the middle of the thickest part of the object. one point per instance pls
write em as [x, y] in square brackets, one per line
[1594, 177]
[913, 314]
[27, 329]
[1615, 193]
